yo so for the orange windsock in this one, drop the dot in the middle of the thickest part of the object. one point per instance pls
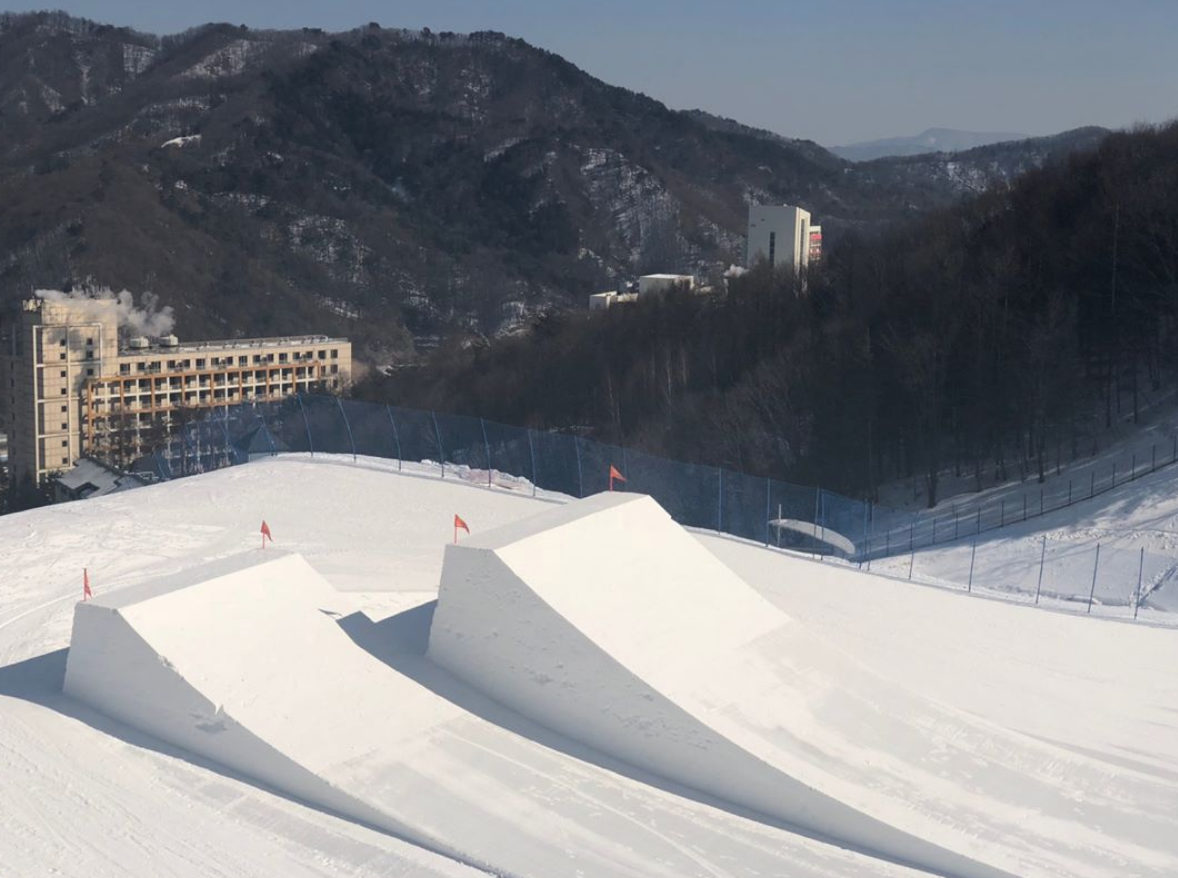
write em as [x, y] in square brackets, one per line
[459, 523]
[614, 475]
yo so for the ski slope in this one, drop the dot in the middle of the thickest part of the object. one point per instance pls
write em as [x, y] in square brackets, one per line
[96, 796]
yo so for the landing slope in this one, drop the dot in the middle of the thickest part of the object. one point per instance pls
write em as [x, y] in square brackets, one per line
[571, 617]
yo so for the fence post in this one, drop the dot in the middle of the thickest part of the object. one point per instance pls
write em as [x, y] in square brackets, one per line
[1114, 484]
[532, 455]
[956, 516]
[396, 435]
[1024, 507]
[1095, 566]
[888, 543]
[911, 563]
[870, 532]
[768, 511]
[1153, 457]
[972, 554]
[1002, 511]
[817, 502]
[1092, 484]
[912, 534]
[1133, 469]
[1042, 558]
[580, 471]
[351, 438]
[934, 542]
[487, 449]
[306, 423]
[1140, 571]
[978, 525]
[719, 500]
[1069, 492]
[441, 450]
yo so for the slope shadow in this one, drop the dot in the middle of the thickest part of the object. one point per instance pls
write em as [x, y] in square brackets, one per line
[39, 680]
[401, 642]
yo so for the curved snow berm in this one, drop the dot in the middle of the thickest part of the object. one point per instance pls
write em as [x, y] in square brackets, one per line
[245, 662]
[606, 621]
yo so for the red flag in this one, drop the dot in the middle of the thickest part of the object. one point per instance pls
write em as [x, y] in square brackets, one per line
[459, 523]
[86, 593]
[614, 475]
[266, 533]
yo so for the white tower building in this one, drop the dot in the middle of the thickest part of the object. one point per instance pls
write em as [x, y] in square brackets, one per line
[779, 233]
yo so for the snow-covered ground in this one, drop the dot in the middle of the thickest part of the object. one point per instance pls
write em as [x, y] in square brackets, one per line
[85, 795]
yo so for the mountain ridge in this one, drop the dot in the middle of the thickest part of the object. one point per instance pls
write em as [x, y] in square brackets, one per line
[396, 186]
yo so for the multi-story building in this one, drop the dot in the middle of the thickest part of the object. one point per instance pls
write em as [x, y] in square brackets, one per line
[780, 234]
[68, 388]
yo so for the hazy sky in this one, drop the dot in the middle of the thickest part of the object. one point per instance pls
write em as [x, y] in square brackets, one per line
[834, 71]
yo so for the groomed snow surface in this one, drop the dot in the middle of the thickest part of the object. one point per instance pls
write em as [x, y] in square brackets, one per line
[603, 694]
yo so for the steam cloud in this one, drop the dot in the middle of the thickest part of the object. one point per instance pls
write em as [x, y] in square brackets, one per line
[148, 319]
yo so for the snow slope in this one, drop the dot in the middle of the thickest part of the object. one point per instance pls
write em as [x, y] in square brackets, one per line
[433, 754]
[571, 616]
[94, 797]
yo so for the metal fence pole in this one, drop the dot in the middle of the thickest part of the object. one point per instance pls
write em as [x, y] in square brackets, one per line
[306, 423]
[1092, 484]
[719, 500]
[978, 524]
[580, 471]
[487, 449]
[1095, 566]
[911, 563]
[768, 511]
[351, 438]
[1140, 571]
[1002, 509]
[1042, 558]
[441, 450]
[972, 554]
[1133, 468]
[396, 435]
[1024, 507]
[532, 455]
[1069, 492]
[912, 534]
[814, 538]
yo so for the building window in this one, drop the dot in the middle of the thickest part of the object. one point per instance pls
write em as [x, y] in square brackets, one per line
[62, 373]
[64, 392]
[89, 341]
[124, 368]
[65, 426]
[65, 408]
[90, 372]
[62, 342]
[200, 364]
[65, 460]
[335, 354]
[334, 369]
[323, 355]
[242, 361]
[65, 443]
[62, 357]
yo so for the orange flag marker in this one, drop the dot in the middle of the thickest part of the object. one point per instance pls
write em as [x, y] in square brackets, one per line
[614, 475]
[459, 523]
[266, 533]
[86, 593]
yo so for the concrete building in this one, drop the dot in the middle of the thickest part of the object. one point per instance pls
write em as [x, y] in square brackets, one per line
[663, 283]
[69, 388]
[815, 243]
[779, 233]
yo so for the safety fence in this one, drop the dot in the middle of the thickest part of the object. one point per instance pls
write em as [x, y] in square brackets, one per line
[522, 460]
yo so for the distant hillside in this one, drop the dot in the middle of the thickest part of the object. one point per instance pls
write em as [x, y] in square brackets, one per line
[397, 186]
[929, 140]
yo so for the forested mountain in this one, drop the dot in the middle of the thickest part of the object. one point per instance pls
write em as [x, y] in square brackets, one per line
[986, 338]
[929, 140]
[396, 186]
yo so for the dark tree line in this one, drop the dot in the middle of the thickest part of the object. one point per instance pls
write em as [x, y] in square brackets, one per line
[989, 340]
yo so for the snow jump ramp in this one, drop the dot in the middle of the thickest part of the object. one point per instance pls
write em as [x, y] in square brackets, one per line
[245, 662]
[605, 621]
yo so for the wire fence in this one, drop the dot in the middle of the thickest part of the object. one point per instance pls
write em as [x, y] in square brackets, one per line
[762, 510]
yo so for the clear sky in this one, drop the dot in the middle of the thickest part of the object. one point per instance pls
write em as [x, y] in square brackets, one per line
[834, 71]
